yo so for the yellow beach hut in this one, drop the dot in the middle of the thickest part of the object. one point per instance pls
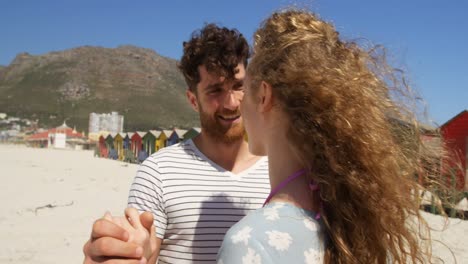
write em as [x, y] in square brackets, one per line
[161, 139]
[118, 145]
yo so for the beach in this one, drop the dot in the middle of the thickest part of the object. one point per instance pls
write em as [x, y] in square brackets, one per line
[51, 198]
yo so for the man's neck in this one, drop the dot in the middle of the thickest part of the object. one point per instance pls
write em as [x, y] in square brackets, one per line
[234, 156]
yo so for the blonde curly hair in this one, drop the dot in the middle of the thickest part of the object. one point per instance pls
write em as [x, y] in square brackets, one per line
[361, 146]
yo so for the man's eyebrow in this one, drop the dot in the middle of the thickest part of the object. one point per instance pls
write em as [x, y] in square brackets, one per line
[220, 84]
[214, 85]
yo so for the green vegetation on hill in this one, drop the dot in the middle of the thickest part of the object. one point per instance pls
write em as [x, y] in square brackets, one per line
[144, 87]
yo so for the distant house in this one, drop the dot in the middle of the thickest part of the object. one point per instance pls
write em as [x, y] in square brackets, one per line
[455, 136]
[39, 140]
[60, 137]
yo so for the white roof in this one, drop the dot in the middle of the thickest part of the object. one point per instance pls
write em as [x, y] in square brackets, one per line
[462, 205]
[155, 133]
[180, 132]
[142, 134]
[168, 132]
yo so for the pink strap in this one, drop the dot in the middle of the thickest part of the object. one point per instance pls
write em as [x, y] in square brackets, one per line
[312, 185]
[282, 184]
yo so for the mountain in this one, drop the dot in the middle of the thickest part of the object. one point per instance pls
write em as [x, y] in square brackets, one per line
[146, 88]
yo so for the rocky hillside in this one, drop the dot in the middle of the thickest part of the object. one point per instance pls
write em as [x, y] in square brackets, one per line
[138, 83]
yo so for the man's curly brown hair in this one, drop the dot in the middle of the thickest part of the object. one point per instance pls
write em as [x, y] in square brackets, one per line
[219, 49]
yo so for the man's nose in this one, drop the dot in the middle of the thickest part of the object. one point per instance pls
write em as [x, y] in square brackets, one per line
[233, 99]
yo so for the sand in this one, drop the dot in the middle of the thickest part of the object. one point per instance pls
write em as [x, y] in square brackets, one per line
[80, 186]
[52, 197]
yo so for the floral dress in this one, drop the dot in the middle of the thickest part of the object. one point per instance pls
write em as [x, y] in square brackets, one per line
[276, 233]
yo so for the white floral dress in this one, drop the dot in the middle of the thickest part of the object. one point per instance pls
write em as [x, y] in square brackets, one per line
[276, 233]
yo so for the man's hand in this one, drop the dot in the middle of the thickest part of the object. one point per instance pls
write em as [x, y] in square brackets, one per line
[115, 240]
[141, 231]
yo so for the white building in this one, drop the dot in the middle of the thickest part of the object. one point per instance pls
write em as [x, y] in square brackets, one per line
[108, 123]
[112, 123]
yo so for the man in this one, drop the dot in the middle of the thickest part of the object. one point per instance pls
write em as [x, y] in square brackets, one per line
[196, 190]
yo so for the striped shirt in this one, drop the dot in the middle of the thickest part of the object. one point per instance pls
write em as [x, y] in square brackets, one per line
[194, 200]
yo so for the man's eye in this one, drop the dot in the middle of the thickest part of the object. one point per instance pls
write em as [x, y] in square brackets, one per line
[214, 91]
[239, 87]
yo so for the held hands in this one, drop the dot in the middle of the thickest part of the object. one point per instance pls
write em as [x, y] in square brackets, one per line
[130, 239]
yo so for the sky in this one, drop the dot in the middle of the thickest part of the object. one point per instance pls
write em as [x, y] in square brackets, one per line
[428, 39]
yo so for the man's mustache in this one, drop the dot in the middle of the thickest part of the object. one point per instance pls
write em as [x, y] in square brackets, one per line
[229, 112]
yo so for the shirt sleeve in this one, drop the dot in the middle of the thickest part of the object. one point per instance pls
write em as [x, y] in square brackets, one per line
[146, 194]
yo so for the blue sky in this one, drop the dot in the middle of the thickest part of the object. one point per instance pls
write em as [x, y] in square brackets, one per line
[429, 39]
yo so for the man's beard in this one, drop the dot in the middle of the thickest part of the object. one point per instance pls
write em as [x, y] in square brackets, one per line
[214, 129]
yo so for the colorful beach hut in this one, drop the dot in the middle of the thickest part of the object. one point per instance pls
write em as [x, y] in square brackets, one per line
[149, 141]
[112, 152]
[157, 134]
[180, 134]
[191, 133]
[172, 137]
[137, 139]
[103, 150]
[118, 145]
[129, 156]
[127, 140]
[160, 140]
[137, 146]
[455, 136]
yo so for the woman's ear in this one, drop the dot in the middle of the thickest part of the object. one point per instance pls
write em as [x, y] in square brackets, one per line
[265, 97]
[192, 98]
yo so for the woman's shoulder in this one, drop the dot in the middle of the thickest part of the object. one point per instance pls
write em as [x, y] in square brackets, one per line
[278, 215]
[274, 232]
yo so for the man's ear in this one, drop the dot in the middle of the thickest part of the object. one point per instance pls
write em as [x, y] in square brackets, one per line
[265, 97]
[192, 98]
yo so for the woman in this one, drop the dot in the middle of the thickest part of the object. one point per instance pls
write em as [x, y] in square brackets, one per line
[342, 153]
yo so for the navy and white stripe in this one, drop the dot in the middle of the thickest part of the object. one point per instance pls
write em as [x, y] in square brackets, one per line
[194, 200]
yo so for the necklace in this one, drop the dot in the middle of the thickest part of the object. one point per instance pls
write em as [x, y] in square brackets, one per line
[283, 184]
